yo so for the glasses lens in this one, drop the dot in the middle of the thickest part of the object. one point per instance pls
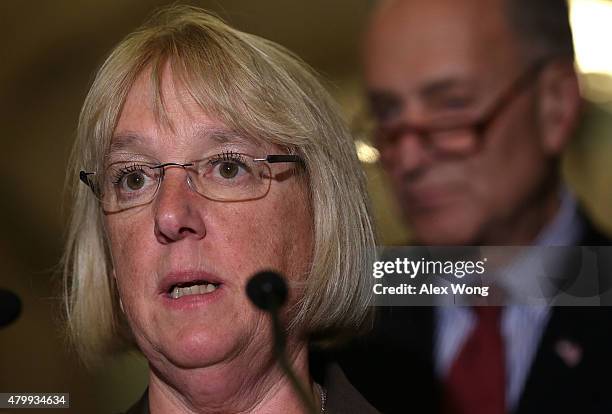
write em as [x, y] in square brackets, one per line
[129, 184]
[231, 177]
[452, 140]
[458, 141]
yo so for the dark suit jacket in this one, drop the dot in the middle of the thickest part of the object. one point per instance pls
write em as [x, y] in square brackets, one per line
[342, 397]
[394, 366]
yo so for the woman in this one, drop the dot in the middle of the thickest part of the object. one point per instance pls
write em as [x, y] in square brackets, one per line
[210, 154]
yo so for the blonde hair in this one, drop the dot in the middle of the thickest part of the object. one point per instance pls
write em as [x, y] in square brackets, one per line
[258, 89]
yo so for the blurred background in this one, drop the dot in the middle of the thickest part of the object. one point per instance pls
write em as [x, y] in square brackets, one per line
[50, 52]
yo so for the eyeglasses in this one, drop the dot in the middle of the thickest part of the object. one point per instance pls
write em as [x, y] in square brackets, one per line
[228, 176]
[464, 137]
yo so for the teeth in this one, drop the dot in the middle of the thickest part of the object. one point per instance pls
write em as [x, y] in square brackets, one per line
[178, 292]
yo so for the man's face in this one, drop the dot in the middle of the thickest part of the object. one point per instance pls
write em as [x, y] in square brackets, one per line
[431, 63]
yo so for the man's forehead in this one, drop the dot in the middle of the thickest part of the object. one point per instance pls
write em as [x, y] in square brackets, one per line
[432, 86]
[437, 45]
[428, 29]
[415, 10]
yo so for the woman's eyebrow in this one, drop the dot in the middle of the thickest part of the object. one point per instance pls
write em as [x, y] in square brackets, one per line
[222, 136]
[120, 142]
[129, 141]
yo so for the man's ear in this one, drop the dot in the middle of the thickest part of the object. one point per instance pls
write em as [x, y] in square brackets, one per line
[559, 105]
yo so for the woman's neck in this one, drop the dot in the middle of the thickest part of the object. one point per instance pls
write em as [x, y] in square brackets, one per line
[242, 385]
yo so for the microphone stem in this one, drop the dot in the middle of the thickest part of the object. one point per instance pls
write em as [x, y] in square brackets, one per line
[279, 348]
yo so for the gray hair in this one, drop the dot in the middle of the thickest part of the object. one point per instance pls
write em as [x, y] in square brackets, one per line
[542, 26]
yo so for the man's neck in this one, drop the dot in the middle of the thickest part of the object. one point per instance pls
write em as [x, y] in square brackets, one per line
[527, 224]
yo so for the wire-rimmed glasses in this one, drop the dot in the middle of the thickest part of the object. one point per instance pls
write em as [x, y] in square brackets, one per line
[227, 176]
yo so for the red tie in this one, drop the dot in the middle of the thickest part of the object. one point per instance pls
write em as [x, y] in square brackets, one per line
[476, 382]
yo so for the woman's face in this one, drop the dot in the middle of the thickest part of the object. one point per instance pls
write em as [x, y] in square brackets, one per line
[182, 237]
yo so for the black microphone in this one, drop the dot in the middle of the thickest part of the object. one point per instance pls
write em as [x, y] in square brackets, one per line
[268, 291]
[10, 307]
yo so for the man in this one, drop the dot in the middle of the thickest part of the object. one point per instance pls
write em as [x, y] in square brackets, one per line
[475, 101]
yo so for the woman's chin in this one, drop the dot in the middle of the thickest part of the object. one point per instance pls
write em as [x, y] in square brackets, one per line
[189, 354]
[187, 349]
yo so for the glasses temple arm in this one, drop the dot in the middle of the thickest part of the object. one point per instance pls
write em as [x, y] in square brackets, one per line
[272, 159]
[84, 177]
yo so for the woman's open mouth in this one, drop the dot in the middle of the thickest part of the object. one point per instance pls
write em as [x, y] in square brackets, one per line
[198, 287]
[177, 285]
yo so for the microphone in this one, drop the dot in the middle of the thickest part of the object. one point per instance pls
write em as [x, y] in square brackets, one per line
[10, 307]
[268, 291]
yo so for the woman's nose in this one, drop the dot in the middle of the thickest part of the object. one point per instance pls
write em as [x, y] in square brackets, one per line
[177, 209]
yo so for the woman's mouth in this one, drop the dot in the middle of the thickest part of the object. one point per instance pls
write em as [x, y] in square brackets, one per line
[177, 285]
[192, 288]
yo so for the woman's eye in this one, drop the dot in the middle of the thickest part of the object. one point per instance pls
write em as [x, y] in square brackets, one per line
[134, 181]
[228, 166]
[229, 170]
[132, 178]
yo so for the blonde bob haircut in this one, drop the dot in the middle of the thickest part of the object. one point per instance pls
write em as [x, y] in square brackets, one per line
[259, 90]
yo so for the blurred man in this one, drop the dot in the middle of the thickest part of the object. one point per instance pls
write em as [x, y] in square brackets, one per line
[475, 101]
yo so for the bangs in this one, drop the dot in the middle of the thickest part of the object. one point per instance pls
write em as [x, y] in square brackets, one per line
[229, 79]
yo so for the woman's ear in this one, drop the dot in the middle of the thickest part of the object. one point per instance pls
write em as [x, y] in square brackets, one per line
[559, 106]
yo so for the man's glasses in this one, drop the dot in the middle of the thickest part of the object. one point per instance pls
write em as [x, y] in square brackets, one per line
[228, 176]
[464, 137]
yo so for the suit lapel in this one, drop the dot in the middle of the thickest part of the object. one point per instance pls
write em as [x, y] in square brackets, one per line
[567, 375]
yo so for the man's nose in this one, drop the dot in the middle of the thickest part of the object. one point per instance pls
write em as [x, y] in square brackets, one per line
[177, 209]
[409, 152]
